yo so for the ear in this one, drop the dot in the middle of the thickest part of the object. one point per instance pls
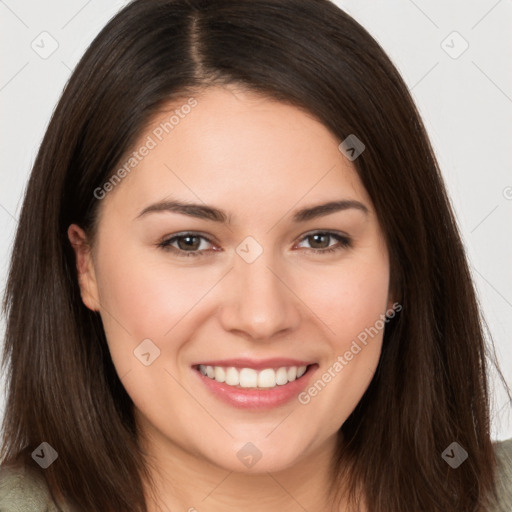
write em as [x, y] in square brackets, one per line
[84, 267]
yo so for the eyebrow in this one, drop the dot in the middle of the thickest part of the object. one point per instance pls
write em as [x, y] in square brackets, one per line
[202, 211]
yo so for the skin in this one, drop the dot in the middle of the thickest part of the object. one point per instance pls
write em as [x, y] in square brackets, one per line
[259, 160]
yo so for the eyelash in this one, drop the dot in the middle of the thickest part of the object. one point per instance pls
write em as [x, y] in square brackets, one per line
[343, 243]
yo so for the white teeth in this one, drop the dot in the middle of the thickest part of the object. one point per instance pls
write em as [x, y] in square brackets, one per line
[220, 374]
[250, 378]
[232, 377]
[267, 378]
[282, 376]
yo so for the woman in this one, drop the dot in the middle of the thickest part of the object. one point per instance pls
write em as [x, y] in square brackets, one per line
[237, 281]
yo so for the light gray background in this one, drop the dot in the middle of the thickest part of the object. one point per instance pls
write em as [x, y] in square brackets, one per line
[465, 98]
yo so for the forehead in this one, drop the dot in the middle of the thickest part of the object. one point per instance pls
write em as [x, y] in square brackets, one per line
[236, 148]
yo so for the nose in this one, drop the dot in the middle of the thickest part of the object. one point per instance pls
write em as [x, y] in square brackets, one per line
[258, 300]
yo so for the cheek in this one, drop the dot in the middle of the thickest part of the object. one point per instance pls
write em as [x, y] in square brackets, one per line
[350, 297]
[351, 302]
[145, 290]
[145, 298]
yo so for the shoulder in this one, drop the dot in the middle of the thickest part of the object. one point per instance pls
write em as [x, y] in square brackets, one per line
[22, 489]
[503, 450]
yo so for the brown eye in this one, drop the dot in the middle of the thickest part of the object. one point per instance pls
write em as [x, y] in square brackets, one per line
[186, 244]
[320, 242]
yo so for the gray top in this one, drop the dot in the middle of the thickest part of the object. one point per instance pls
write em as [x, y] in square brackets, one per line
[22, 490]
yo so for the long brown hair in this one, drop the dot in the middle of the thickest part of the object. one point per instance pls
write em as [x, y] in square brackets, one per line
[430, 388]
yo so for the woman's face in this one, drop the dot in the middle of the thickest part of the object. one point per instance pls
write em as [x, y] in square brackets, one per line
[240, 289]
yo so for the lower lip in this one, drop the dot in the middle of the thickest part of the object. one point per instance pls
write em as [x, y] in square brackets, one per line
[257, 398]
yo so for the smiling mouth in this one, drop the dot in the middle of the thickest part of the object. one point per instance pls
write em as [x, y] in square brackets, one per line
[249, 378]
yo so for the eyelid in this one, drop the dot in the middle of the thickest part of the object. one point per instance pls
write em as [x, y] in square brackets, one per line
[165, 242]
[344, 242]
[332, 232]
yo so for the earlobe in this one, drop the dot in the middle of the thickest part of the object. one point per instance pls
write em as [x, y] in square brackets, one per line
[84, 266]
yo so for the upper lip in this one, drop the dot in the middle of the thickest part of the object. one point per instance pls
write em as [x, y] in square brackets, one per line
[275, 362]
